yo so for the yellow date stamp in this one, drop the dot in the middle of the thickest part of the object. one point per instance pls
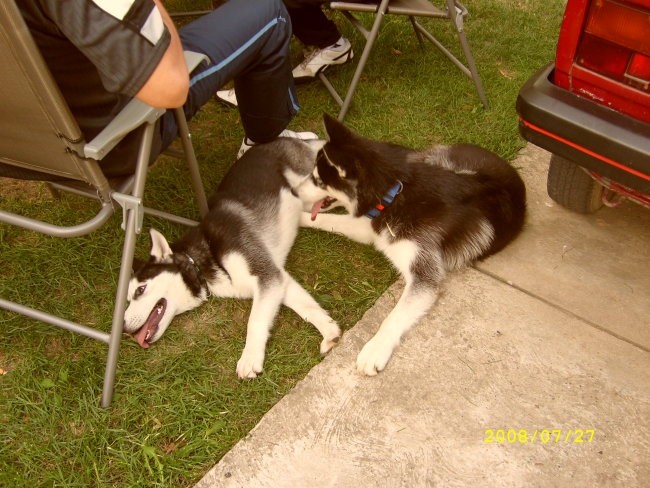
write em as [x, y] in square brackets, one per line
[544, 436]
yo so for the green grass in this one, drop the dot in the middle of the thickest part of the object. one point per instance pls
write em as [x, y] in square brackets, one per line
[178, 407]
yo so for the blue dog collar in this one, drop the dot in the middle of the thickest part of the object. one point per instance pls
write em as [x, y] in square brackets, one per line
[386, 200]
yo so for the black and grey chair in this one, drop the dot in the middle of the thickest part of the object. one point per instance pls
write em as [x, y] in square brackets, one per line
[39, 134]
[452, 11]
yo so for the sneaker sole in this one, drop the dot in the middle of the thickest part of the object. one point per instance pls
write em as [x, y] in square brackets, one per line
[225, 102]
[306, 79]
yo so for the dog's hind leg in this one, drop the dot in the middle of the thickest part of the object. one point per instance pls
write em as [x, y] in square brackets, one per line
[266, 302]
[301, 302]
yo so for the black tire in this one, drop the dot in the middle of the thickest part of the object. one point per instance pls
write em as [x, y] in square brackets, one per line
[570, 186]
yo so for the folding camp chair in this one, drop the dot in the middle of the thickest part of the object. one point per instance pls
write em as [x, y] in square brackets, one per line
[39, 133]
[452, 11]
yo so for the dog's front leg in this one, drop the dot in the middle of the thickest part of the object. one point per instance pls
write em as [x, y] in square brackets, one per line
[266, 302]
[301, 302]
[358, 229]
[412, 305]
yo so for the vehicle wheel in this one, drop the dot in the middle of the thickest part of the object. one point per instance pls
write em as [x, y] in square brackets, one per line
[571, 187]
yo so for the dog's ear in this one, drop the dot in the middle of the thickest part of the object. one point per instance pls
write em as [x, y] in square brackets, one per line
[137, 264]
[336, 131]
[160, 250]
[341, 171]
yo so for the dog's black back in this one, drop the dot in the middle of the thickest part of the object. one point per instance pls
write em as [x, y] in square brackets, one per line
[238, 250]
[448, 190]
[245, 202]
[428, 211]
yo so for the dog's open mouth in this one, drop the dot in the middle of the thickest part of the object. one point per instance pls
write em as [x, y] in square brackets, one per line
[150, 327]
[323, 204]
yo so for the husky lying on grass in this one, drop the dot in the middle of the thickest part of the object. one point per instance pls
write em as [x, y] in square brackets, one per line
[428, 211]
[238, 250]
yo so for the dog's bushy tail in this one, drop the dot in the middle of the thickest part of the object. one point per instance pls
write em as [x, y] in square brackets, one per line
[502, 196]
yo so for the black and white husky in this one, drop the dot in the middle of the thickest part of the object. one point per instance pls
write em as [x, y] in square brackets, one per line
[238, 250]
[428, 211]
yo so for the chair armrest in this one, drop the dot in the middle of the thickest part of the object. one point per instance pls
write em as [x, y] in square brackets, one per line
[132, 116]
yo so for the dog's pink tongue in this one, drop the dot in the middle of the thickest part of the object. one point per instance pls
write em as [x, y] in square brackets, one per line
[141, 336]
[150, 327]
[316, 208]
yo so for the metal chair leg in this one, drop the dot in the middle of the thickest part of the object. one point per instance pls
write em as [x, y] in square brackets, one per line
[128, 251]
[372, 36]
[458, 23]
[192, 163]
[417, 32]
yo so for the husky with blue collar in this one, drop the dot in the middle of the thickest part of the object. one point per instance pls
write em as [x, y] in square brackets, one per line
[238, 250]
[429, 212]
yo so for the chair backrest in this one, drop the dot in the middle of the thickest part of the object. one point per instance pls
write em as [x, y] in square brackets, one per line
[34, 118]
[38, 133]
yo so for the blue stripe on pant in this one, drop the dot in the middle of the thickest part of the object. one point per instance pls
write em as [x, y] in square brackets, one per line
[247, 41]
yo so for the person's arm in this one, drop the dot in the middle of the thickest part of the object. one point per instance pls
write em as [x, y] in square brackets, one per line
[169, 83]
[133, 44]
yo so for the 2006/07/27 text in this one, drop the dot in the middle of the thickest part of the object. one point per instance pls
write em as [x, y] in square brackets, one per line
[545, 436]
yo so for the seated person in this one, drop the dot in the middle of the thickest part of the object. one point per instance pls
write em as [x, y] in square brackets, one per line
[103, 53]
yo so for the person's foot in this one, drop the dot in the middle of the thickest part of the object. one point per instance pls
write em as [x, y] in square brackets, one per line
[320, 59]
[304, 136]
[227, 97]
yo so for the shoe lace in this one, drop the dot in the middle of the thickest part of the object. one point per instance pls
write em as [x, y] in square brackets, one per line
[309, 57]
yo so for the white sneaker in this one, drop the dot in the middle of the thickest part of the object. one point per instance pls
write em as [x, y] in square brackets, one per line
[227, 97]
[303, 136]
[320, 59]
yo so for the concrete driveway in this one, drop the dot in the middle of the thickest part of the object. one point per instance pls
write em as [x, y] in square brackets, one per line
[532, 370]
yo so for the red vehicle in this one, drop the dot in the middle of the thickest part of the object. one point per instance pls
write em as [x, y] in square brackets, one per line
[591, 108]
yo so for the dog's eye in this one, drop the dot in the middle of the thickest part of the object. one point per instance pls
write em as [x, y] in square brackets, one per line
[139, 291]
[317, 181]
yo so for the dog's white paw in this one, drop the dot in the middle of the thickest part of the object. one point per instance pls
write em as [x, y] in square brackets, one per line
[249, 365]
[330, 339]
[331, 336]
[374, 356]
[305, 219]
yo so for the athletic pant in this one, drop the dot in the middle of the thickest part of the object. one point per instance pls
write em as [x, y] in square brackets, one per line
[247, 41]
[310, 24]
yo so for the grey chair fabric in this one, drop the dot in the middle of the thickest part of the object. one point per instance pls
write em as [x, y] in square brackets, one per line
[450, 10]
[40, 137]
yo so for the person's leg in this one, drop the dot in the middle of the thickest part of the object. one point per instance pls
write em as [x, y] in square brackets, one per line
[312, 27]
[310, 24]
[248, 41]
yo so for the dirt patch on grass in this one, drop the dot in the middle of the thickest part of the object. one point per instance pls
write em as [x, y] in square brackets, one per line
[12, 189]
